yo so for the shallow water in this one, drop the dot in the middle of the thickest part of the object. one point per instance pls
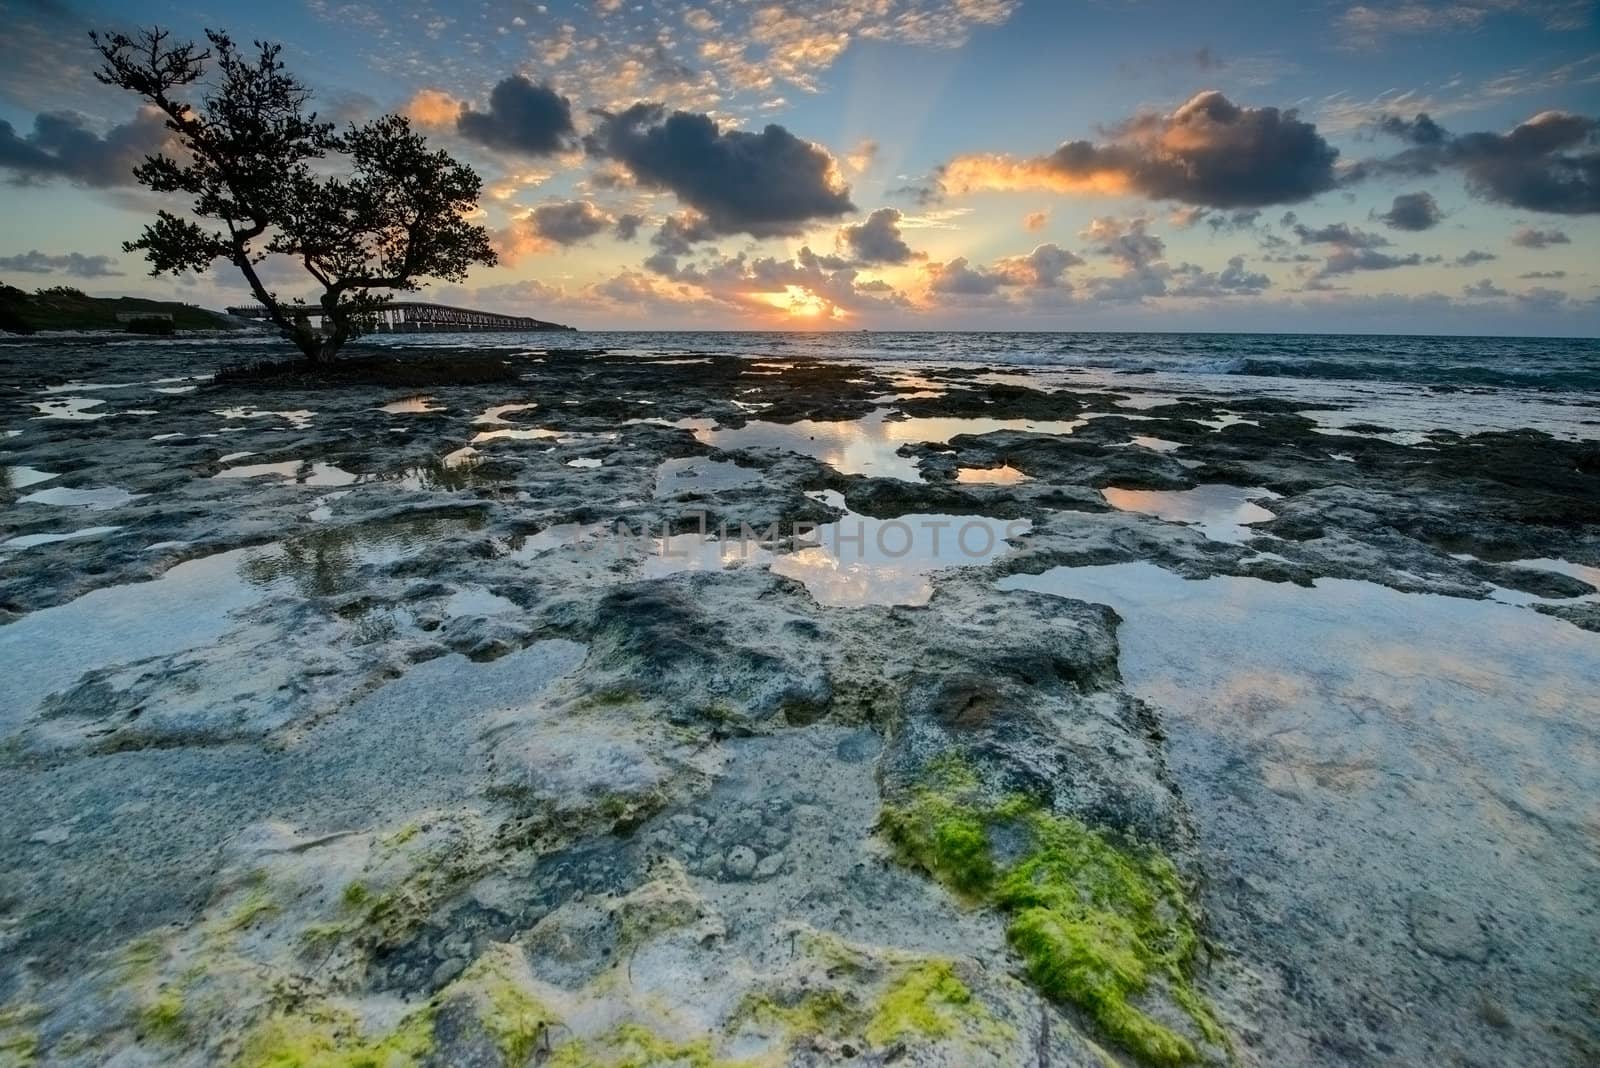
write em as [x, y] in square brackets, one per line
[28, 541]
[1004, 475]
[696, 474]
[74, 408]
[190, 605]
[23, 477]
[1363, 762]
[1221, 512]
[1582, 572]
[302, 472]
[297, 419]
[1155, 444]
[412, 406]
[859, 560]
[870, 445]
[96, 500]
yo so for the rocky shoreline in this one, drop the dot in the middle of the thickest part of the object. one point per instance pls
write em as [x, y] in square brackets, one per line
[331, 739]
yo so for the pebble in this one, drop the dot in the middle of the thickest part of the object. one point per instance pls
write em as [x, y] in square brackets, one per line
[741, 862]
[448, 970]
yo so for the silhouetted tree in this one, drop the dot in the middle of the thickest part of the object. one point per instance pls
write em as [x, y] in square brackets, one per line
[251, 162]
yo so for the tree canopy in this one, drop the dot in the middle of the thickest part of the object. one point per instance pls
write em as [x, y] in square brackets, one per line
[259, 169]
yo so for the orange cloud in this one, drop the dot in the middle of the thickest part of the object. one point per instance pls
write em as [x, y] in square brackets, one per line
[1209, 152]
[433, 107]
[989, 172]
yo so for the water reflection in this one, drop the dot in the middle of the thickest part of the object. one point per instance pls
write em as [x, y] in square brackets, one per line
[49, 649]
[299, 419]
[302, 472]
[496, 415]
[22, 477]
[1221, 512]
[1004, 475]
[325, 562]
[28, 541]
[76, 408]
[419, 405]
[1154, 444]
[870, 445]
[696, 474]
[860, 560]
[1358, 758]
[97, 500]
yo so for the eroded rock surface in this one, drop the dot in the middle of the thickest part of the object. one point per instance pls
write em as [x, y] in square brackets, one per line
[398, 753]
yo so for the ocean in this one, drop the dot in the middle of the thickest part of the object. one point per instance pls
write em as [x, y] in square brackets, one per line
[1413, 384]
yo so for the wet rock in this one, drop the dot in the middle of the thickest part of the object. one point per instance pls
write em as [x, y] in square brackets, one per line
[1446, 928]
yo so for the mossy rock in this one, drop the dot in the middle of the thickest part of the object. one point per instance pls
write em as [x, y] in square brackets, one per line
[1101, 924]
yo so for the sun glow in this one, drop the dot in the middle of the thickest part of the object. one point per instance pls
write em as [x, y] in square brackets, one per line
[800, 303]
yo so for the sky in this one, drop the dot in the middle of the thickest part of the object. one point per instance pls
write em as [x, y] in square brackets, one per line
[1396, 166]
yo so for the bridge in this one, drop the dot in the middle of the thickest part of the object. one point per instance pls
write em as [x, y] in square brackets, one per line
[410, 316]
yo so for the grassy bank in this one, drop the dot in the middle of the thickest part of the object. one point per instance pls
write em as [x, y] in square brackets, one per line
[65, 308]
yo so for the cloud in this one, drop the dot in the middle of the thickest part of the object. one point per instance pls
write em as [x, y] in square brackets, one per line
[1035, 221]
[528, 119]
[1484, 289]
[1042, 268]
[1528, 237]
[1349, 260]
[1338, 234]
[817, 285]
[1126, 241]
[1353, 249]
[878, 239]
[559, 223]
[627, 226]
[1413, 211]
[1543, 274]
[1542, 298]
[61, 145]
[678, 233]
[75, 264]
[568, 222]
[1550, 163]
[1209, 152]
[1233, 280]
[1473, 257]
[433, 107]
[1369, 26]
[764, 184]
[862, 157]
[958, 278]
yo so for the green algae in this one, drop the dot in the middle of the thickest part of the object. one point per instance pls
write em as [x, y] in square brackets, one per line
[19, 1042]
[327, 1038]
[516, 1019]
[332, 1040]
[256, 904]
[356, 895]
[163, 1018]
[927, 1001]
[878, 997]
[826, 1011]
[138, 959]
[633, 1046]
[1099, 924]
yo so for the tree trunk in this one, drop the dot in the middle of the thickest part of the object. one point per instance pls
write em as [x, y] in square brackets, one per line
[338, 317]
